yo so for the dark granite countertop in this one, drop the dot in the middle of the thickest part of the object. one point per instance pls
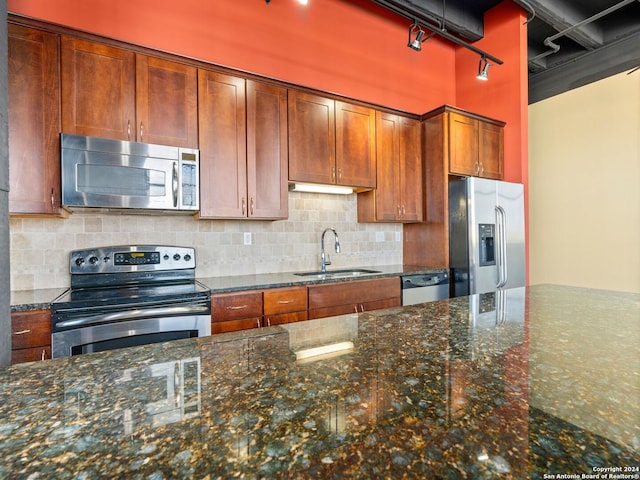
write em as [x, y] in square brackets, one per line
[290, 279]
[535, 383]
[41, 298]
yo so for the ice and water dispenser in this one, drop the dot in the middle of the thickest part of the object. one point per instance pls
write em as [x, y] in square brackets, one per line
[486, 234]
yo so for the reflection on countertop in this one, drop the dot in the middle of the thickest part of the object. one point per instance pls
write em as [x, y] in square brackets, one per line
[516, 384]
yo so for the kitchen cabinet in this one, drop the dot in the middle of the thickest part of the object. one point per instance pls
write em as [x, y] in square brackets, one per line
[340, 298]
[285, 305]
[331, 142]
[455, 142]
[30, 336]
[398, 195]
[243, 149]
[476, 145]
[236, 311]
[115, 93]
[256, 308]
[34, 122]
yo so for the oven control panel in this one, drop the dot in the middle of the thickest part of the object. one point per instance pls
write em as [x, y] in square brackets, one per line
[132, 258]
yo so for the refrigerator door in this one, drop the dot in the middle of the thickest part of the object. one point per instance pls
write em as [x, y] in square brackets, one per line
[510, 241]
[483, 229]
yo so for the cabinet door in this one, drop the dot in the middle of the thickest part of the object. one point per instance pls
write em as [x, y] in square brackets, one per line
[312, 138]
[387, 206]
[410, 171]
[463, 145]
[34, 121]
[98, 90]
[166, 102]
[236, 325]
[355, 145]
[267, 185]
[223, 154]
[491, 150]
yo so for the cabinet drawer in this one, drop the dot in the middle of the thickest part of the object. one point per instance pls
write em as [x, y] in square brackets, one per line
[285, 300]
[235, 306]
[235, 325]
[30, 329]
[34, 354]
[349, 293]
[284, 318]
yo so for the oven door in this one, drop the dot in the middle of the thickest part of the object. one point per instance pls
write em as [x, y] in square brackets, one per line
[127, 333]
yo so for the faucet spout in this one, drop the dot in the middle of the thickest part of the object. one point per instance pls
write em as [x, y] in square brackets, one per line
[324, 259]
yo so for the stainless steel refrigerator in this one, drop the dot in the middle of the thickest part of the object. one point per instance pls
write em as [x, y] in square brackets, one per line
[486, 235]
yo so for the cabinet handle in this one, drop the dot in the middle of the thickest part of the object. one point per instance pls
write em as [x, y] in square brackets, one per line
[403, 211]
[21, 332]
[340, 174]
[399, 214]
[333, 174]
[244, 205]
[236, 307]
[481, 168]
[284, 302]
[251, 206]
[128, 129]
[53, 198]
[268, 322]
[44, 355]
[355, 308]
[141, 130]
[361, 307]
[258, 323]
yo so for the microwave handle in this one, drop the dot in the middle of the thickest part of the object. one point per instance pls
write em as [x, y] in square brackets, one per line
[174, 184]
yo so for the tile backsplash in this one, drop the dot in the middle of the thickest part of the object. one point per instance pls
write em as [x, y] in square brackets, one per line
[40, 247]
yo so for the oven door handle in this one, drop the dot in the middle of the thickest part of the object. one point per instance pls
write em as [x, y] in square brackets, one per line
[134, 314]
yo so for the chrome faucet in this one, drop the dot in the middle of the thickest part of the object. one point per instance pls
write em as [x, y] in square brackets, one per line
[324, 259]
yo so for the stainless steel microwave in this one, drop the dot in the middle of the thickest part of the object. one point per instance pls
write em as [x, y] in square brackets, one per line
[113, 174]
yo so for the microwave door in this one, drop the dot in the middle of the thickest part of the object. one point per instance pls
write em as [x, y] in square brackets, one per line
[112, 180]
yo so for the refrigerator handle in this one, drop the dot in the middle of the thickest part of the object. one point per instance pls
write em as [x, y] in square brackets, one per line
[501, 228]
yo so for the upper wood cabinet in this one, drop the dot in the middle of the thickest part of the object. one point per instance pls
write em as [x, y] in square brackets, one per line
[114, 93]
[476, 146]
[243, 155]
[34, 121]
[331, 142]
[398, 196]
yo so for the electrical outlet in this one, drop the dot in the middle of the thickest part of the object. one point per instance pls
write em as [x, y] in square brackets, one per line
[247, 238]
[379, 236]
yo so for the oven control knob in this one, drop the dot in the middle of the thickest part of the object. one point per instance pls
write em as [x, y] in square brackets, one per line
[187, 258]
[176, 257]
[79, 261]
[166, 256]
[93, 260]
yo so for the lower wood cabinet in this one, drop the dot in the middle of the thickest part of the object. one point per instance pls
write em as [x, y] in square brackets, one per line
[244, 310]
[235, 311]
[351, 297]
[285, 305]
[30, 336]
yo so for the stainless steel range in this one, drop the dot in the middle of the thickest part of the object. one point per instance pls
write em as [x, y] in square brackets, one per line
[124, 296]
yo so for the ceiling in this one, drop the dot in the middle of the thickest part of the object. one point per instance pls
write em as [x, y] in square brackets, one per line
[570, 42]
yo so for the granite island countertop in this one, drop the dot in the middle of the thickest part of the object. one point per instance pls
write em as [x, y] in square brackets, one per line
[522, 384]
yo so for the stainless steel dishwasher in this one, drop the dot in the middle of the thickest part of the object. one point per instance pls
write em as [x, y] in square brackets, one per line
[425, 287]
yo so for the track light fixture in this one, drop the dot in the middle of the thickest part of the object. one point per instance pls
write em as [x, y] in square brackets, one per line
[416, 37]
[483, 69]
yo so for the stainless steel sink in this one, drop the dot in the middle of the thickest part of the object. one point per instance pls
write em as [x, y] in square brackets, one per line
[350, 272]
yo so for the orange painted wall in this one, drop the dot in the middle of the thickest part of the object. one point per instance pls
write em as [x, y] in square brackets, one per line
[331, 45]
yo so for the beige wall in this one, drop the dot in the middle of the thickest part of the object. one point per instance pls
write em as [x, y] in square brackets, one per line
[40, 247]
[584, 186]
